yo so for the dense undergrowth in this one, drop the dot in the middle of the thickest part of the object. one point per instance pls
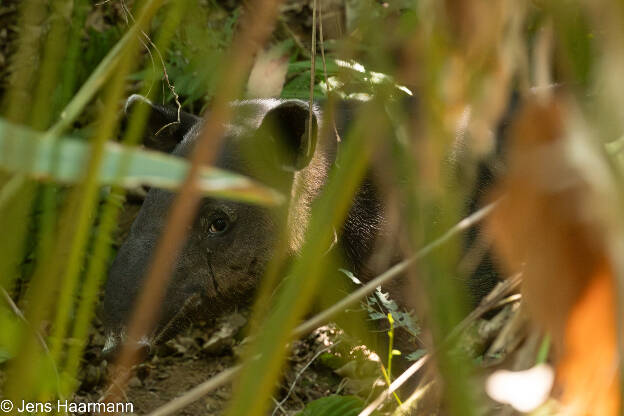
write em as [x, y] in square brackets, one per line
[467, 103]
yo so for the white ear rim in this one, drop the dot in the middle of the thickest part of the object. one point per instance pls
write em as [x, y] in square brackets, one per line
[134, 98]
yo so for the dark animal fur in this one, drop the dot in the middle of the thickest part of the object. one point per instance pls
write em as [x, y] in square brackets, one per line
[223, 270]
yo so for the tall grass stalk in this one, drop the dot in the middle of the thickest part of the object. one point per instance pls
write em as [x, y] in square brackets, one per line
[18, 100]
[15, 107]
[256, 383]
[256, 30]
[96, 269]
[88, 194]
[72, 235]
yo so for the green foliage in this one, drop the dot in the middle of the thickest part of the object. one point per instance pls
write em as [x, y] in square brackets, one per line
[544, 350]
[416, 355]
[60, 196]
[4, 355]
[65, 160]
[391, 353]
[196, 51]
[97, 46]
[331, 360]
[381, 301]
[379, 305]
[348, 79]
[297, 83]
[334, 406]
[11, 325]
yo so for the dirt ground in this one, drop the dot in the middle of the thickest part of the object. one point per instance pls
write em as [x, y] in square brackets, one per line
[202, 352]
[326, 362]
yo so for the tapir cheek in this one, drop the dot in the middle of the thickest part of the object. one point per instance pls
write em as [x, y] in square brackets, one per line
[250, 273]
[197, 281]
[254, 268]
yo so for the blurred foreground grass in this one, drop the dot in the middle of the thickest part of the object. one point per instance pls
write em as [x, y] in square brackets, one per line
[72, 64]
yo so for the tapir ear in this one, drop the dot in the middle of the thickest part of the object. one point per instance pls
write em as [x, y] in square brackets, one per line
[287, 125]
[163, 130]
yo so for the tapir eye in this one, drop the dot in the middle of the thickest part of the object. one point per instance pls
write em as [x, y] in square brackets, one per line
[218, 226]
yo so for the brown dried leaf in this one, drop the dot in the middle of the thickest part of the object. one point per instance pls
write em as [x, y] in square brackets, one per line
[268, 74]
[538, 226]
[545, 225]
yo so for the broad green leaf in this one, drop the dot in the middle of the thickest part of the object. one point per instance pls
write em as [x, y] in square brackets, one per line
[65, 160]
[334, 406]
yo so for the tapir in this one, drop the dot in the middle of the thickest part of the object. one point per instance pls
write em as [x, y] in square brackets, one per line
[230, 243]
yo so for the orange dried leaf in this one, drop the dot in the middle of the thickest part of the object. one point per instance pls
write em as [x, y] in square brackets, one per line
[588, 371]
[546, 227]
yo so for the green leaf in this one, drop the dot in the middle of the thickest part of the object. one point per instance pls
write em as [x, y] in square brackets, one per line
[416, 355]
[301, 66]
[351, 276]
[65, 160]
[334, 406]
[4, 355]
[375, 316]
[299, 87]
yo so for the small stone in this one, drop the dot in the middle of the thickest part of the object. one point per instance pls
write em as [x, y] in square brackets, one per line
[135, 382]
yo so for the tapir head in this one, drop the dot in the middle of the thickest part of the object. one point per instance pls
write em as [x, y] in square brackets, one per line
[229, 243]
